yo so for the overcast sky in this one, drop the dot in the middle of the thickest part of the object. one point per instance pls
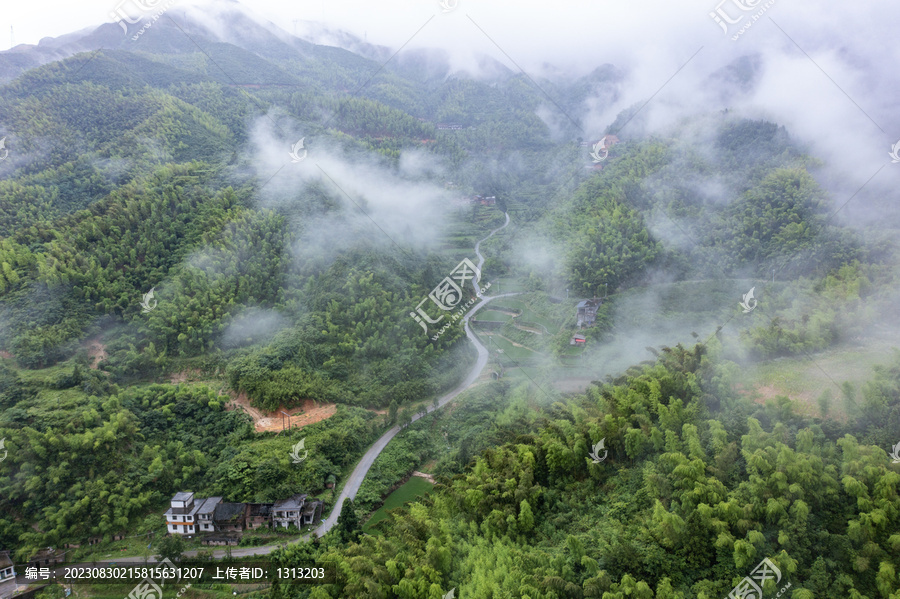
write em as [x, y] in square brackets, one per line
[529, 31]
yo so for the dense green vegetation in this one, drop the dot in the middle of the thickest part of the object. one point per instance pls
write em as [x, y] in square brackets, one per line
[133, 171]
[699, 486]
[101, 464]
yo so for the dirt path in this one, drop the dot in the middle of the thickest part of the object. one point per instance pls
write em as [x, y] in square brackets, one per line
[427, 477]
[307, 413]
[522, 327]
[508, 311]
[515, 344]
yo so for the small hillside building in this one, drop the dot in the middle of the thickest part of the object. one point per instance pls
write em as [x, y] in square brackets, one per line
[230, 517]
[298, 510]
[259, 514]
[8, 585]
[288, 511]
[312, 511]
[205, 514]
[44, 558]
[586, 311]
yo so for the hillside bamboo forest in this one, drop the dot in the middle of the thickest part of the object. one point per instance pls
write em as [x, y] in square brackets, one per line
[220, 245]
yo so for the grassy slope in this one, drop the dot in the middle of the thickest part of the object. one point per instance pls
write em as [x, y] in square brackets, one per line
[415, 487]
[804, 379]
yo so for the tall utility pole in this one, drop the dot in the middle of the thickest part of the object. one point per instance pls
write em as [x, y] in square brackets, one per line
[283, 414]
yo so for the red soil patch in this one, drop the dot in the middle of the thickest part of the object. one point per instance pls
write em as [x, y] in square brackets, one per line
[308, 413]
[5, 354]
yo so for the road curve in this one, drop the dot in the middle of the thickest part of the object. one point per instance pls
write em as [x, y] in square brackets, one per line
[478, 245]
[355, 480]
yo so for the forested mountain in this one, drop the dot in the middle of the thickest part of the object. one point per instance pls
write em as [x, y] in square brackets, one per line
[686, 504]
[160, 221]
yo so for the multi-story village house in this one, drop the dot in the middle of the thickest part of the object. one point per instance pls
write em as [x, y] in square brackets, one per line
[180, 517]
[205, 513]
[288, 511]
[297, 511]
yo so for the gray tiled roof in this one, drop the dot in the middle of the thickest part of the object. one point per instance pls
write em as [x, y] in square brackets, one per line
[228, 512]
[206, 506]
[260, 509]
[293, 503]
[310, 507]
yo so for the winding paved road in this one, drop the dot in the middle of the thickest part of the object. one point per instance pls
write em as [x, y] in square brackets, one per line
[355, 480]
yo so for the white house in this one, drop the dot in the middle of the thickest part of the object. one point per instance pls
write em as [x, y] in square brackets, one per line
[180, 517]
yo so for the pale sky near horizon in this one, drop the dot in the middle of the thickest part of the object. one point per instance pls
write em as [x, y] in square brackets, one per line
[824, 68]
[524, 29]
